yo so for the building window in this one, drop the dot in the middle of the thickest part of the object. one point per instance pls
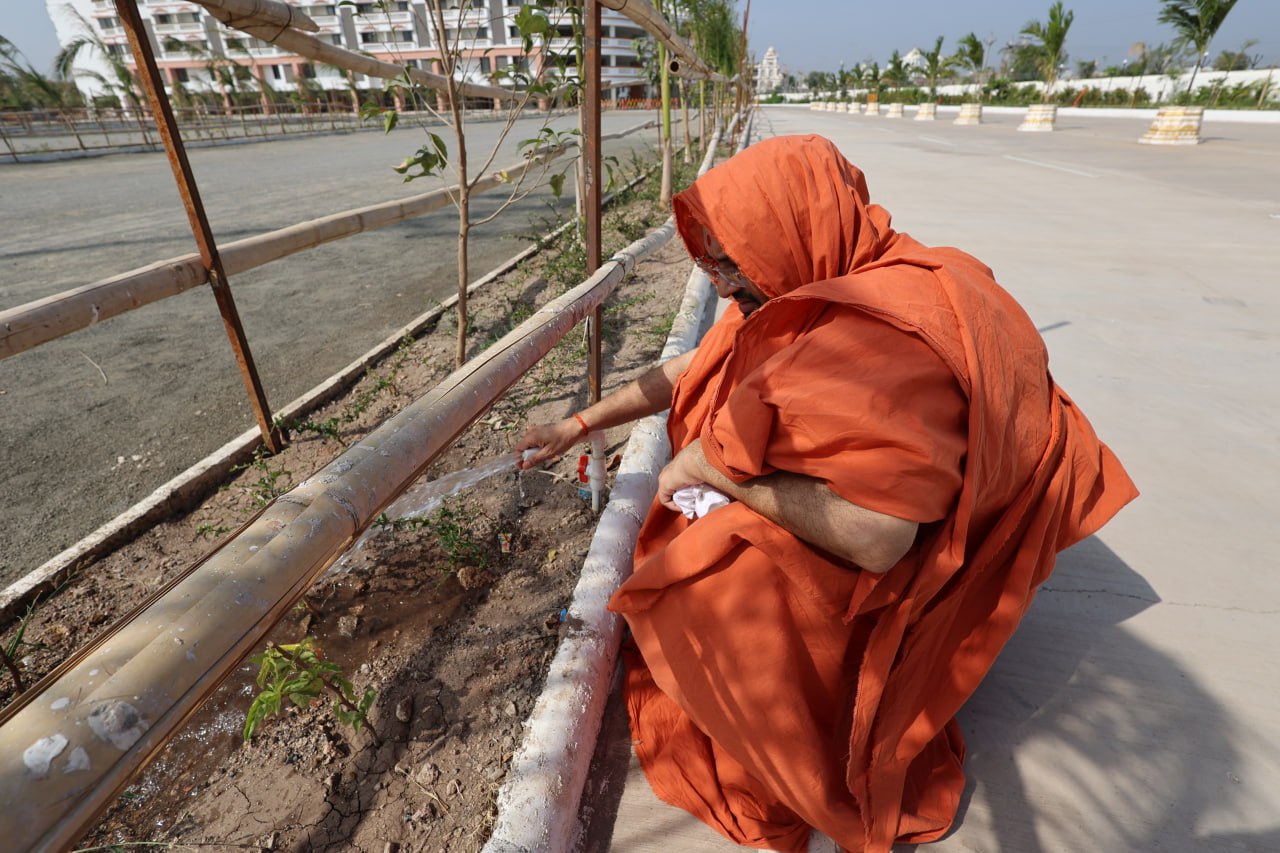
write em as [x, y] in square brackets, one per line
[308, 71]
[275, 73]
[485, 67]
[108, 23]
[178, 18]
[385, 37]
[336, 38]
[180, 75]
[466, 34]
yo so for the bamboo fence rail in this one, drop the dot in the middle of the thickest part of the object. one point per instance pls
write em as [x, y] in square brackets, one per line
[34, 323]
[231, 12]
[686, 62]
[310, 47]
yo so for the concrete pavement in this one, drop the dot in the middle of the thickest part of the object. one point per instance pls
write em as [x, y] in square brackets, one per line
[1135, 709]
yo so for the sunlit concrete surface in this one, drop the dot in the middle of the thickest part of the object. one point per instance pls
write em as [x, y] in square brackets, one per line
[1136, 707]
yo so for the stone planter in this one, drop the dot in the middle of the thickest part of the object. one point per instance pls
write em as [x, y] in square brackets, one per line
[873, 108]
[895, 111]
[969, 114]
[1175, 126]
[1039, 118]
[927, 112]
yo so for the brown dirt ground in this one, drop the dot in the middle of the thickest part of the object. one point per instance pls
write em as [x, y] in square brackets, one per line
[455, 638]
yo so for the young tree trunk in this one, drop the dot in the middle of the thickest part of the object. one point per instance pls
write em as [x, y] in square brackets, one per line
[684, 109]
[664, 198]
[702, 115]
[448, 63]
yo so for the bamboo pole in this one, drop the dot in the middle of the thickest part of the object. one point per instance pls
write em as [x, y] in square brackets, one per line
[320, 51]
[271, 12]
[26, 326]
[152, 84]
[685, 61]
[69, 745]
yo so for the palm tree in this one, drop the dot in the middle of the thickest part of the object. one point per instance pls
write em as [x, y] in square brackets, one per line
[874, 79]
[971, 56]
[1196, 22]
[855, 76]
[934, 66]
[23, 87]
[1237, 60]
[1051, 37]
[895, 73]
[88, 40]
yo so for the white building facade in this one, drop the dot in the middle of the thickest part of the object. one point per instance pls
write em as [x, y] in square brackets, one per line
[190, 45]
[768, 73]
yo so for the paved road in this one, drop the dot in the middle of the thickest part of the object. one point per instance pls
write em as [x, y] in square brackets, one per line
[1135, 709]
[172, 392]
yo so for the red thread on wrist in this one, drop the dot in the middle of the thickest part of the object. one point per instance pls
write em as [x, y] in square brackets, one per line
[585, 429]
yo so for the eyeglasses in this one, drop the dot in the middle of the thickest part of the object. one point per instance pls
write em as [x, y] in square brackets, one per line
[725, 271]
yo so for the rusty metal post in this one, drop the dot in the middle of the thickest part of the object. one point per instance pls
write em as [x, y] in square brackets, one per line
[149, 76]
[591, 200]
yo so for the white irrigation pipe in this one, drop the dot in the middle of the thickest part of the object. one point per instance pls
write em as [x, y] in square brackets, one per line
[538, 805]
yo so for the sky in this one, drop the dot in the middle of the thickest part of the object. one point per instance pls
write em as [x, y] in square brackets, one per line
[817, 35]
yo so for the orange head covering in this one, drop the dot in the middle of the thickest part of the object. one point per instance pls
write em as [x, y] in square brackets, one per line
[810, 218]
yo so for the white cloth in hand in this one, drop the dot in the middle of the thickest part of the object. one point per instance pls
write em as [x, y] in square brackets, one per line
[696, 501]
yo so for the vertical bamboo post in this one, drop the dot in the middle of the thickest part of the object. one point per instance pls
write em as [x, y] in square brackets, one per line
[149, 75]
[593, 162]
[592, 166]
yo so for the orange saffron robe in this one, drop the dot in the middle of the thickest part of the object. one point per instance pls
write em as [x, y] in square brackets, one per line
[773, 687]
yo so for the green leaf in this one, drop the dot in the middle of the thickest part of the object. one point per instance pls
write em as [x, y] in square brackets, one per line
[427, 161]
[441, 149]
[390, 119]
[557, 185]
[531, 23]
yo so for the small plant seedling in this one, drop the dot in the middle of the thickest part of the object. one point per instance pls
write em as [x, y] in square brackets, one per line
[211, 530]
[325, 429]
[9, 651]
[299, 673]
[267, 487]
[452, 526]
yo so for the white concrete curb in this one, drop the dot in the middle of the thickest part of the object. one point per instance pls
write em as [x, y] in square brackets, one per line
[538, 805]
[1147, 114]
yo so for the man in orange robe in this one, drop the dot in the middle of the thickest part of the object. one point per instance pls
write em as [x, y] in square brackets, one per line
[903, 472]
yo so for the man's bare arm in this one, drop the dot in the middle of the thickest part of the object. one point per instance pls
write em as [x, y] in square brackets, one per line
[649, 394]
[803, 505]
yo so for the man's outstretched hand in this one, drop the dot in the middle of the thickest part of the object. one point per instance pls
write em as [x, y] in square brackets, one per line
[550, 440]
